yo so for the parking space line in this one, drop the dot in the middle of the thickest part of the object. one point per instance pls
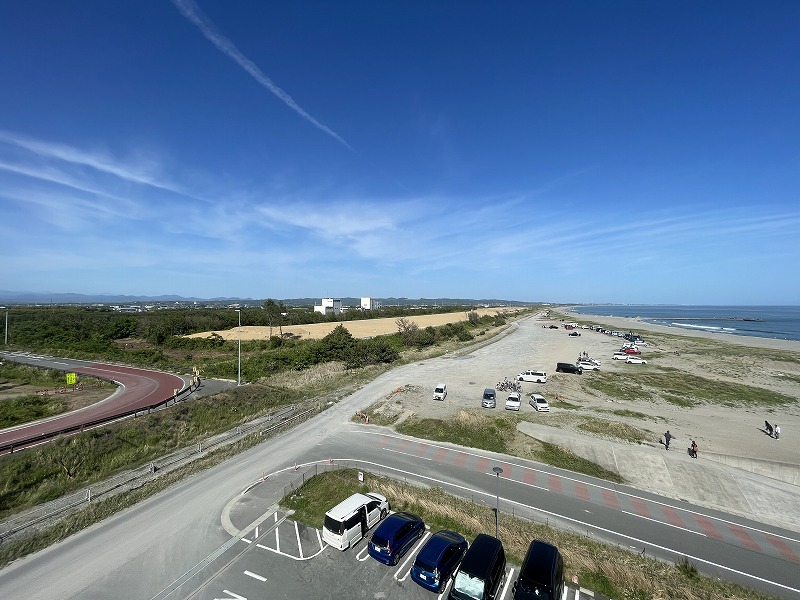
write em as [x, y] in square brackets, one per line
[358, 556]
[508, 582]
[289, 555]
[299, 544]
[319, 538]
[410, 556]
[446, 587]
[277, 541]
[254, 576]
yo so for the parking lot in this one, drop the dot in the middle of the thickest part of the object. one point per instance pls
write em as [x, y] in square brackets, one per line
[281, 557]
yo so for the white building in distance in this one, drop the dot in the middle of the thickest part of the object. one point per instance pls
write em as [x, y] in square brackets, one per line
[368, 304]
[328, 306]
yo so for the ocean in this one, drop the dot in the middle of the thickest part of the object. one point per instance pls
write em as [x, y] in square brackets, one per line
[776, 322]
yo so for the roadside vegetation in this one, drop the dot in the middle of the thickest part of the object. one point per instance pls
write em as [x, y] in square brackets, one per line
[603, 568]
[284, 372]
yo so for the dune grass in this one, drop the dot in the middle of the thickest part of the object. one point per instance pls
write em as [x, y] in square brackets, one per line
[466, 428]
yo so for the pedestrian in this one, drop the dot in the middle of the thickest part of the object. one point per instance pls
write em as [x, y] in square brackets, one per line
[693, 449]
[768, 428]
[777, 431]
[667, 438]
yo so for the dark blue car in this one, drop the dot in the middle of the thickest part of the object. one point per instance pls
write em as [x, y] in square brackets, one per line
[438, 559]
[392, 539]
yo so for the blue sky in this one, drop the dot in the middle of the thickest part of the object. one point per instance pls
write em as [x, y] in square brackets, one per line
[538, 151]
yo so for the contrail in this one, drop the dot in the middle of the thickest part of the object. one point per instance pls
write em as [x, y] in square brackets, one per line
[191, 11]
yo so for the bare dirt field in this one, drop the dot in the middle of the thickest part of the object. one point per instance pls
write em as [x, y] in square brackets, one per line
[364, 328]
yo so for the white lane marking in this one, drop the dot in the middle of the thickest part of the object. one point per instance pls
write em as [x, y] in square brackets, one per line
[508, 582]
[410, 556]
[581, 523]
[277, 540]
[246, 541]
[233, 596]
[289, 555]
[255, 537]
[664, 523]
[406, 453]
[364, 552]
[573, 479]
[319, 539]
[254, 576]
[299, 545]
[445, 588]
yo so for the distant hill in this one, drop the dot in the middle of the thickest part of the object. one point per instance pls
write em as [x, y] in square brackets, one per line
[10, 297]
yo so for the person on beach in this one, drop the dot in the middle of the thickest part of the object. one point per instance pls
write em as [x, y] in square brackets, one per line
[768, 428]
[667, 438]
[777, 431]
[693, 449]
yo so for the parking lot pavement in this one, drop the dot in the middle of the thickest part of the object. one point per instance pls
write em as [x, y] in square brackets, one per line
[283, 558]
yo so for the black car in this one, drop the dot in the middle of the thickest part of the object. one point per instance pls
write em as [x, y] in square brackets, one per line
[569, 368]
[542, 574]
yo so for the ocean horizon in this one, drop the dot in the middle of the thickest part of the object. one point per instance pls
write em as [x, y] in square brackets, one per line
[774, 322]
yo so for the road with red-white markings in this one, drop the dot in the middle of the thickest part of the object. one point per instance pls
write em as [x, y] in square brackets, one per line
[139, 389]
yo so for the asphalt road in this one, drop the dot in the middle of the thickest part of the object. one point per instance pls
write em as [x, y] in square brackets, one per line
[176, 545]
[139, 389]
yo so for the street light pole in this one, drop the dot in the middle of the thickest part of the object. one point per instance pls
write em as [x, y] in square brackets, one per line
[239, 332]
[497, 471]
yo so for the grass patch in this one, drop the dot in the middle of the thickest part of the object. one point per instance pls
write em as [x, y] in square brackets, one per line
[614, 429]
[563, 458]
[24, 409]
[634, 414]
[790, 377]
[466, 428]
[607, 569]
[65, 465]
[680, 388]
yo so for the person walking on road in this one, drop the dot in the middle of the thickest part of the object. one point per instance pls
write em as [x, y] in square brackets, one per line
[777, 431]
[693, 449]
[667, 438]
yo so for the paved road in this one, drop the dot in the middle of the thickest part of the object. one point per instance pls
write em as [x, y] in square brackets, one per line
[139, 389]
[177, 544]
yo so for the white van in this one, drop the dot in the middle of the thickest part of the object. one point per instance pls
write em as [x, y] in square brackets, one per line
[440, 391]
[533, 375]
[348, 522]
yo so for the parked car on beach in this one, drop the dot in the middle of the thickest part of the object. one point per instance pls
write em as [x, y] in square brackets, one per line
[512, 402]
[533, 376]
[587, 365]
[635, 360]
[631, 350]
[538, 403]
[568, 368]
[489, 398]
[619, 356]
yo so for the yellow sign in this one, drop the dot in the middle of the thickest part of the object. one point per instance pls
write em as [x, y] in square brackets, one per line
[72, 378]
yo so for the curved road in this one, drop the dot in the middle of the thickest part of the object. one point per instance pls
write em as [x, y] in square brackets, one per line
[177, 544]
[139, 389]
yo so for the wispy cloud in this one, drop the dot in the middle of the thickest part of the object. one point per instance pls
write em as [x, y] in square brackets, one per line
[98, 162]
[192, 12]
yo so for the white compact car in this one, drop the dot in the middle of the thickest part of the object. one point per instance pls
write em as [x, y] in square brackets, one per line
[635, 360]
[620, 356]
[588, 365]
[539, 403]
[512, 402]
[533, 376]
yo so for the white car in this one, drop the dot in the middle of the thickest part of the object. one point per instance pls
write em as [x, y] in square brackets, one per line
[533, 376]
[512, 402]
[635, 360]
[620, 356]
[539, 403]
[588, 365]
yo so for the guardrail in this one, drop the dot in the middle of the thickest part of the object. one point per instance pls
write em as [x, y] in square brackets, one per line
[138, 477]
